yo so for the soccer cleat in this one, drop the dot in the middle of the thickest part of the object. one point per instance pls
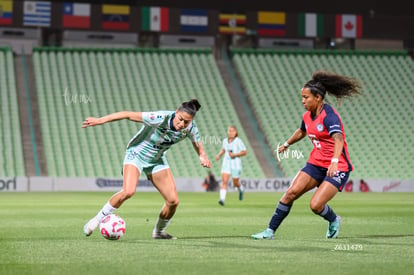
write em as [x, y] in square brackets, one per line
[333, 228]
[241, 193]
[162, 236]
[221, 202]
[90, 226]
[265, 235]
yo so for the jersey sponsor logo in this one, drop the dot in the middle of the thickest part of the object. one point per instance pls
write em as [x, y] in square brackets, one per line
[319, 127]
[167, 141]
[153, 116]
[162, 130]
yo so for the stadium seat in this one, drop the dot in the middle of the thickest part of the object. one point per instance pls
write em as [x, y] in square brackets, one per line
[374, 123]
[131, 79]
[11, 158]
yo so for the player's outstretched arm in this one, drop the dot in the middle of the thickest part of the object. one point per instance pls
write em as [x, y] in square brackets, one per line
[94, 121]
[204, 161]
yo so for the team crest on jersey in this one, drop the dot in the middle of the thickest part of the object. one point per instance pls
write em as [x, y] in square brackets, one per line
[152, 116]
[319, 127]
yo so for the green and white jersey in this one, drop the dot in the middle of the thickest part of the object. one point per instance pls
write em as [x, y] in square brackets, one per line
[157, 135]
[236, 146]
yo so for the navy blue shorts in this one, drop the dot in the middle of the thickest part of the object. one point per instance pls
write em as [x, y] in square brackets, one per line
[319, 174]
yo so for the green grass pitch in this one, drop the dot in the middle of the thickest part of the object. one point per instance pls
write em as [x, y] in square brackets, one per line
[41, 233]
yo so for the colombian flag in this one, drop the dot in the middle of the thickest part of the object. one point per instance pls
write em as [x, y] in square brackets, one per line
[6, 12]
[271, 23]
[115, 17]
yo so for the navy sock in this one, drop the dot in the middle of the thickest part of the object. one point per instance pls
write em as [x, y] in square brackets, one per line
[282, 210]
[328, 214]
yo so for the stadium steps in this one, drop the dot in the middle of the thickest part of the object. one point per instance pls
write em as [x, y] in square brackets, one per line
[248, 118]
[128, 79]
[33, 151]
[378, 124]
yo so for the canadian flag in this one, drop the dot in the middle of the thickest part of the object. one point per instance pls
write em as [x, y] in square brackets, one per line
[348, 26]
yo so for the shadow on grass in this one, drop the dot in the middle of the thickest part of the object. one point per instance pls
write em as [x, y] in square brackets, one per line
[400, 240]
[237, 242]
[215, 237]
[378, 236]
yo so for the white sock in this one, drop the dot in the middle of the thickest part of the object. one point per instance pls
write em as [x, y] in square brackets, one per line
[161, 225]
[106, 210]
[223, 193]
[241, 188]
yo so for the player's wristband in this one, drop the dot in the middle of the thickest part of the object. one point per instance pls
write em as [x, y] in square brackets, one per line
[334, 160]
[286, 144]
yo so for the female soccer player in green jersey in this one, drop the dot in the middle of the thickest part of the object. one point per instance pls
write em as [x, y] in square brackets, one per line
[146, 153]
[233, 149]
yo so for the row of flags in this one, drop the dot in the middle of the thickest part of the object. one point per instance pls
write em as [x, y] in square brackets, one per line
[117, 17]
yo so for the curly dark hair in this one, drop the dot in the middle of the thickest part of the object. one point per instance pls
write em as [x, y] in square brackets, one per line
[336, 85]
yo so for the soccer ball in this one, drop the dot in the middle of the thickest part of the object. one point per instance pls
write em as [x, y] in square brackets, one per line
[112, 227]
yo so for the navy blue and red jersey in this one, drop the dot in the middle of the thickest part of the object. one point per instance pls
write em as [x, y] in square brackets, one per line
[320, 130]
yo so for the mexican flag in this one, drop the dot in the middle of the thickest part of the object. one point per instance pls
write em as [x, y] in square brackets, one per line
[155, 19]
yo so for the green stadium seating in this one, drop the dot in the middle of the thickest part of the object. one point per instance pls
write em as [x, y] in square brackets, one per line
[11, 158]
[77, 83]
[378, 124]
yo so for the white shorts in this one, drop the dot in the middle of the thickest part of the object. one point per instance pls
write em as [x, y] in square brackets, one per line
[233, 171]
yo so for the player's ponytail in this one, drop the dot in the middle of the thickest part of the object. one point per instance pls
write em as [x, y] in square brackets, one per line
[336, 85]
[190, 107]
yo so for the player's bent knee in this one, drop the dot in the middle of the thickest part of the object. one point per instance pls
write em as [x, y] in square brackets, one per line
[290, 196]
[127, 194]
[173, 202]
[316, 207]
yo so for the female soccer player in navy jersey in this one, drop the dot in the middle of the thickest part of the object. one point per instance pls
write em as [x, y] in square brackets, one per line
[328, 166]
[146, 153]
